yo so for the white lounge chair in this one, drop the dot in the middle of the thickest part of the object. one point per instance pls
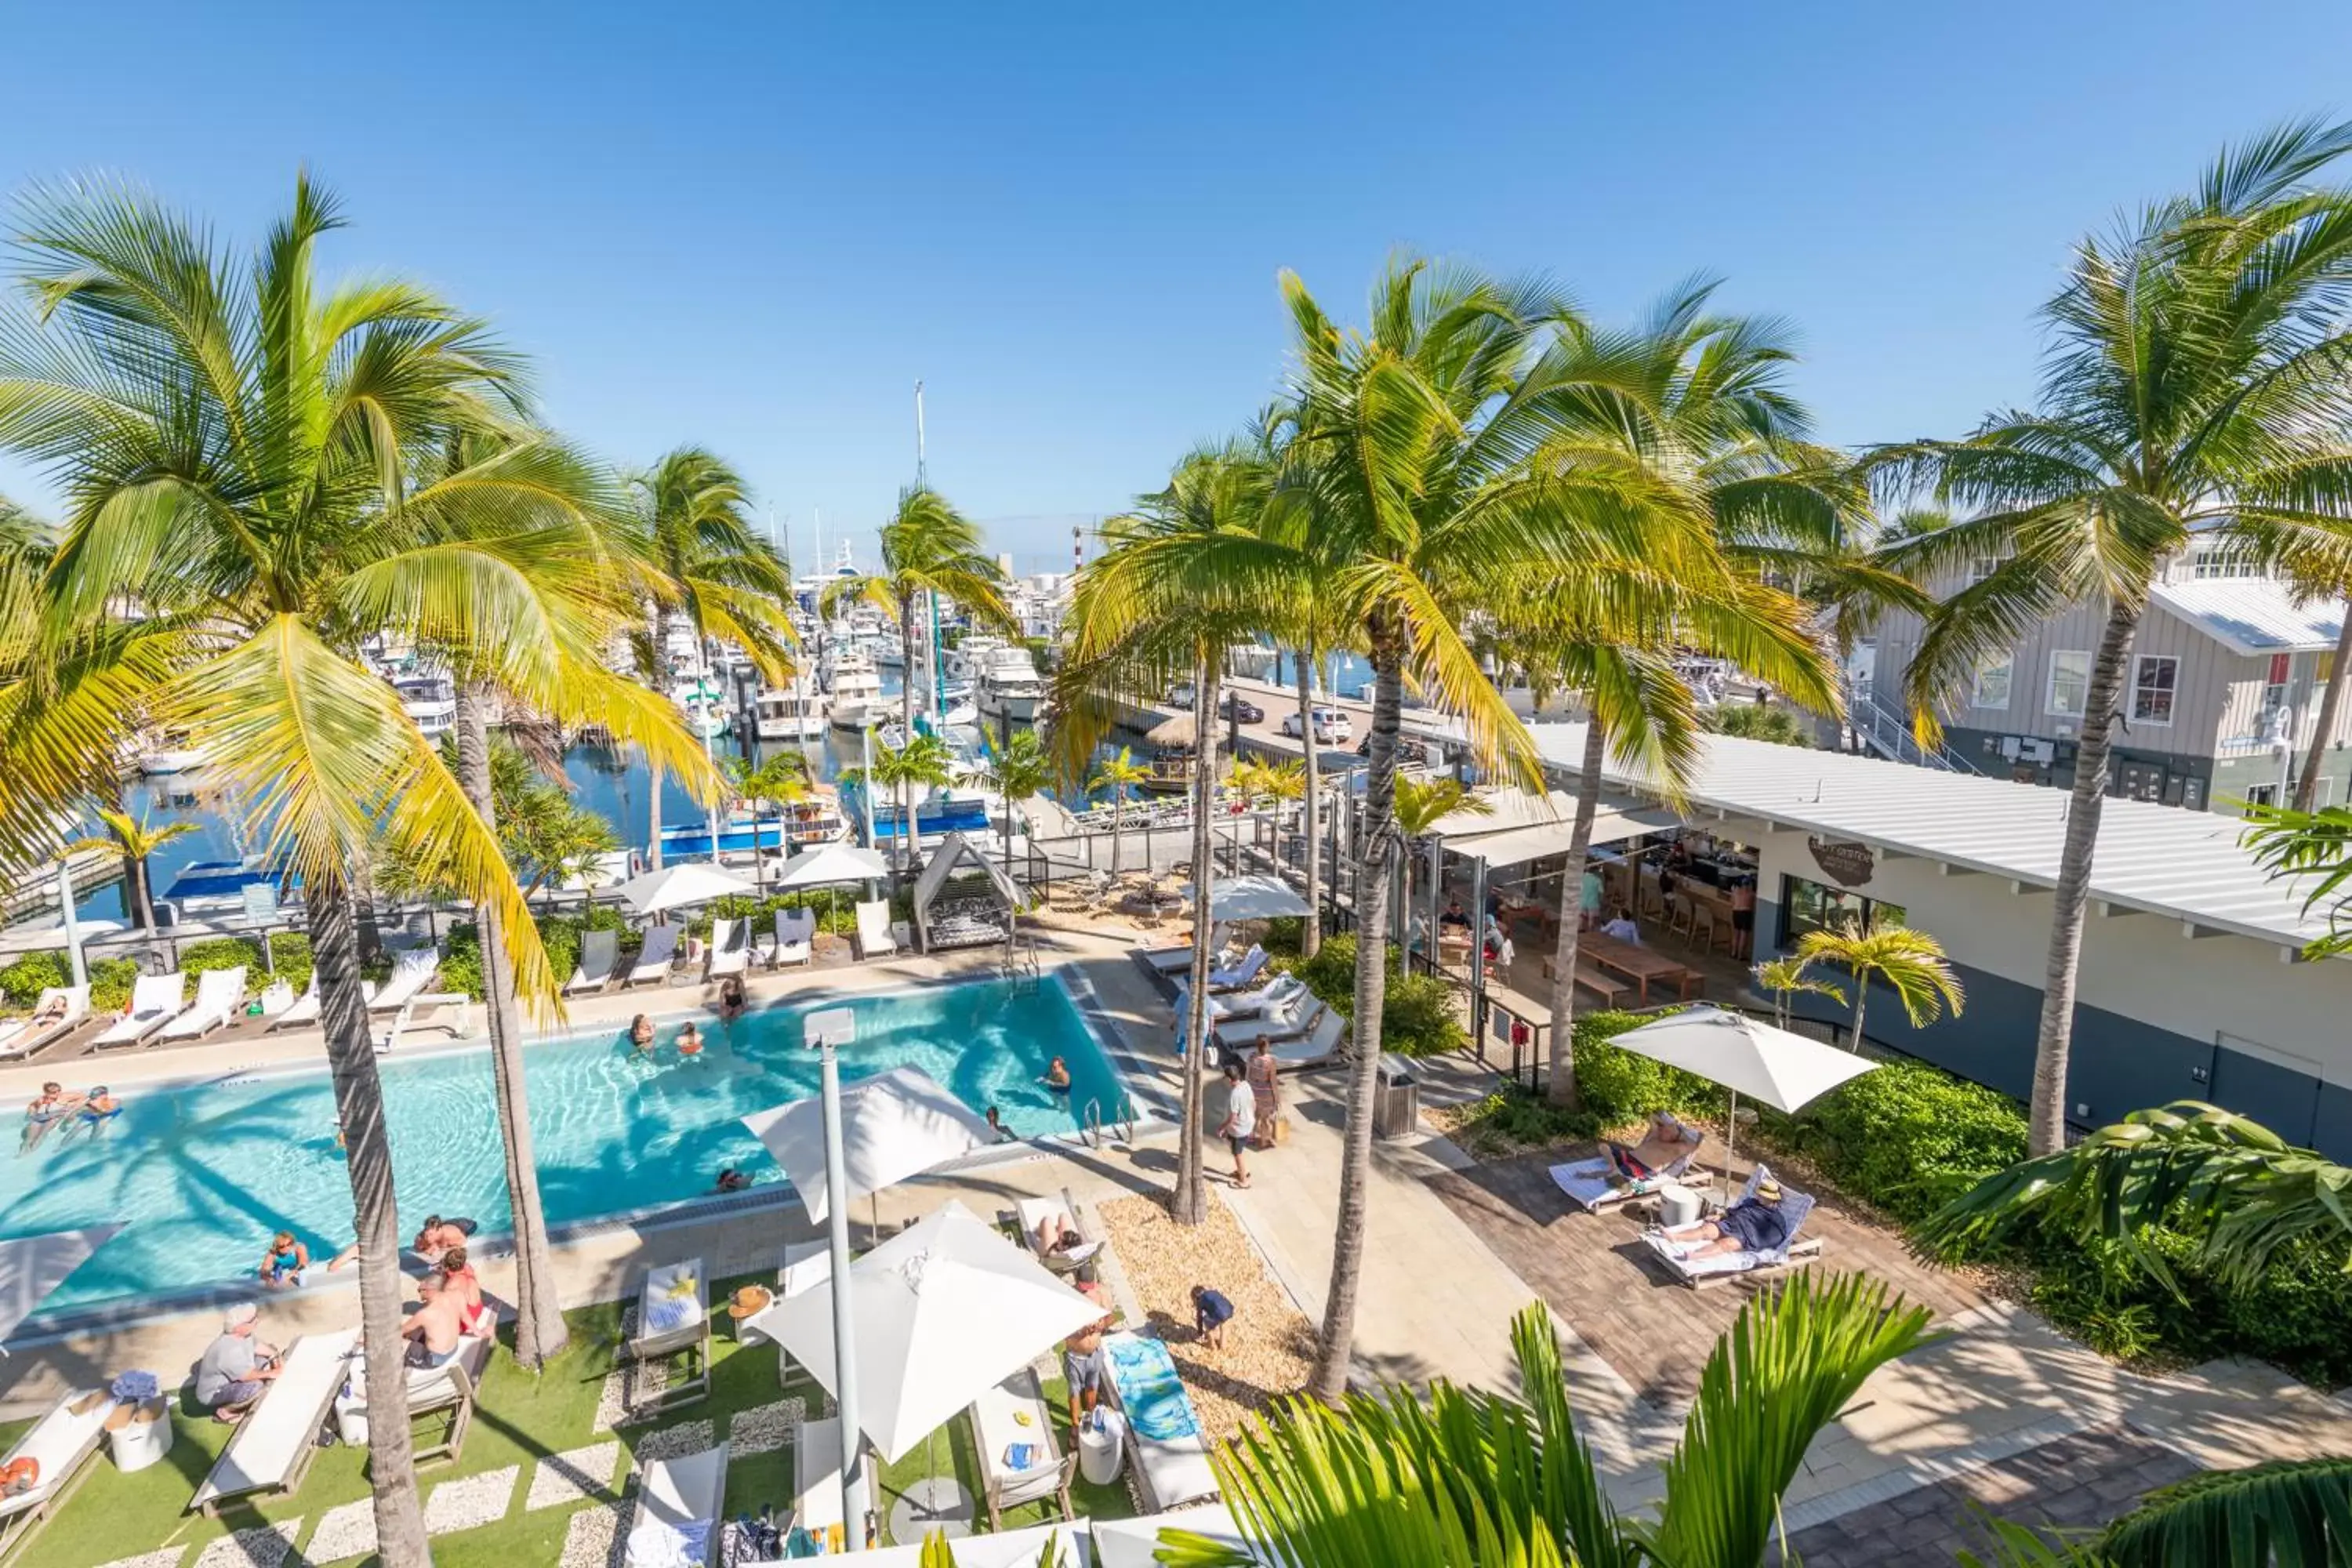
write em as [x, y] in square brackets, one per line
[220, 996]
[795, 938]
[155, 1001]
[1000, 1433]
[816, 1481]
[1288, 1020]
[1594, 1186]
[678, 1504]
[673, 1319]
[63, 1443]
[731, 948]
[274, 1444]
[1696, 1272]
[411, 974]
[1177, 960]
[1172, 1458]
[1035, 1212]
[874, 935]
[600, 955]
[1321, 1043]
[653, 960]
[1240, 975]
[56, 1014]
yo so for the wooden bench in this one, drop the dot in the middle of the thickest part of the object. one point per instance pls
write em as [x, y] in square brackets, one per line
[1590, 976]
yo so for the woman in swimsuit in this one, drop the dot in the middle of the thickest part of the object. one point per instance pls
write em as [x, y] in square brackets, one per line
[283, 1263]
[49, 1108]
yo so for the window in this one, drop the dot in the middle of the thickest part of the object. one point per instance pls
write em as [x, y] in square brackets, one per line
[2274, 686]
[1992, 684]
[2154, 678]
[2262, 794]
[2224, 561]
[2070, 683]
[1981, 567]
[1816, 906]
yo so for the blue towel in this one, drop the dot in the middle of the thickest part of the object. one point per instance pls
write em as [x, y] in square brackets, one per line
[1149, 1390]
[135, 1388]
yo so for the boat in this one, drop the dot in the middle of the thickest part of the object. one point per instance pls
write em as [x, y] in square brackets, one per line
[704, 706]
[965, 659]
[163, 760]
[216, 887]
[1009, 686]
[431, 701]
[855, 689]
[801, 825]
[797, 712]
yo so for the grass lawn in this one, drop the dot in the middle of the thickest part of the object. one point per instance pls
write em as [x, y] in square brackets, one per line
[519, 1420]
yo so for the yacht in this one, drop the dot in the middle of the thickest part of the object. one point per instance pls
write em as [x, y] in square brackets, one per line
[431, 701]
[856, 690]
[965, 659]
[704, 707]
[168, 758]
[795, 712]
[1009, 685]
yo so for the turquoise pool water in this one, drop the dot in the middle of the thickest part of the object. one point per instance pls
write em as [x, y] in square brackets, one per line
[200, 1175]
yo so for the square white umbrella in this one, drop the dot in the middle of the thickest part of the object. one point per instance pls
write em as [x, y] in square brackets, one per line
[1746, 1056]
[675, 887]
[1251, 898]
[946, 1310]
[894, 1125]
[31, 1267]
[829, 865]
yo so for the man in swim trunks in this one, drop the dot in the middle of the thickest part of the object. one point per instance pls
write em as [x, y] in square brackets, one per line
[1082, 1359]
[1752, 1224]
[439, 1235]
[1667, 1141]
[51, 1106]
[434, 1330]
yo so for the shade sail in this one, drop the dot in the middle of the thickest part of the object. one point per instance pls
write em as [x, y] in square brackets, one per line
[894, 1125]
[829, 865]
[1746, 1056]
[944, 1310]
[1251, 898]
[675, 887]
[32, 1266]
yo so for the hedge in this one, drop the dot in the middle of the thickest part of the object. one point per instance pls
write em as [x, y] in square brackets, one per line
[1417, 1015]
[111, 979]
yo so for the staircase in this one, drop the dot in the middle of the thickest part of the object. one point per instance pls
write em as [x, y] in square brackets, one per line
[1882, 731]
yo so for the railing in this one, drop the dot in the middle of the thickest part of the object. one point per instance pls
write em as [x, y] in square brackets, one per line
[1881, 730]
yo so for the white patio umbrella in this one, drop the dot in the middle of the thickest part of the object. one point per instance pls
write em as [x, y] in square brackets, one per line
[1746, 1056]
[675, 887]
[32, 1266]
[945, 1311]
[1251, 898]
[894, 1125]
[830, 865]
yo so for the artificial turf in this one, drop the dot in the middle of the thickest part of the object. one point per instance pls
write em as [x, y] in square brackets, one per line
[519, 1419]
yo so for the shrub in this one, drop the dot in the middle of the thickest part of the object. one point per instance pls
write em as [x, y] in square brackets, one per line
[1511, 1119]
[1285, 935]
[226, 952]
[1417, 1017]
[1618, 1087]
[22, 980]
[111, 980]
[1908, 1137]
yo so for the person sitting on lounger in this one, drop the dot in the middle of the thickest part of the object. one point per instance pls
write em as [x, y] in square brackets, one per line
[283, 1261]
[690, 1042]
[434, 1330]
[1056, 1234]
[439, 1236]
[641, 1034]
[52, 1010]
[47, 1109]
[1751, 1224]
[99, 1109]
[1212, 1310]
[1058, 1075]
[234, 1370]
[1667, 1141]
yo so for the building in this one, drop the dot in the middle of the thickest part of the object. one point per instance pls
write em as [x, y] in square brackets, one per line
[2220, 698]
[2192, 983]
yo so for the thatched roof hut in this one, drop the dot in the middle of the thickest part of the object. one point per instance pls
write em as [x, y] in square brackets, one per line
[1178, 731]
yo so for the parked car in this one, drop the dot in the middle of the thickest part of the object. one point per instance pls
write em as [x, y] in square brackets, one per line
[1182, 695]
[1331, 726]
[1235, 706]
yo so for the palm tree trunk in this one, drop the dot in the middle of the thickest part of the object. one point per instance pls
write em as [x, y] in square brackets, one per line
[1310, 931]
[1563, 1089]
[2047, 1131]
[143, 896]
[1375, 870]
[359, 1105]
[538, 1315]
[1861, 998]
[2331, 702]
[1189, 1204]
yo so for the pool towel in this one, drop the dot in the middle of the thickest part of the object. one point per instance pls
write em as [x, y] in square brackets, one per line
[1149, 1390]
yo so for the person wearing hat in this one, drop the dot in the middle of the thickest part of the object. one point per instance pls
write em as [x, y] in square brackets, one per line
[234, 1370]
[1754, 1223]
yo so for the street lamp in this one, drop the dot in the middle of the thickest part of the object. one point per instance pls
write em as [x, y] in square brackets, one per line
[823, 1033]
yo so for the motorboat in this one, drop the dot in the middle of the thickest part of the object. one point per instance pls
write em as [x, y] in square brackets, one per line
[794, 712]
[965, 661]
[431, 701]
[797, 826]
[165, 759]
[1009, 686]
[704, 706]
[855, 687]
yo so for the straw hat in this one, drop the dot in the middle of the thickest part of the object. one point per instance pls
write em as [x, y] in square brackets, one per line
[749, 1300]
[1768, 1190]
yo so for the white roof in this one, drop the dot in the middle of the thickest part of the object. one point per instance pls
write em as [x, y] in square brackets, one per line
[2161, 859]
[2254, 616]
[1519, 825]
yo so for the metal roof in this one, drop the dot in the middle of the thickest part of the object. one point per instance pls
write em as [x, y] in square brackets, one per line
[2254, 616]
[2159, 859]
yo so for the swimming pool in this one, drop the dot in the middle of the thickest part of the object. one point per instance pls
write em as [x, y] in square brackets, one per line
[200, 1176]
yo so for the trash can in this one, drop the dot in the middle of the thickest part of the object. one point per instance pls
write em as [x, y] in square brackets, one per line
[139, 1434]
[1101, 1450]
[1396, 1099]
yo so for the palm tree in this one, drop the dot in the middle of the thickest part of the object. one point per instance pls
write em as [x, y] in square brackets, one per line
[1788, 976]
[131, 840]
[1121, 775]
[1421, 806]
[1017, 770]
[1481, 1479]
[782, 781]
[251, 459]
[2193, 391]
[928, 548]
[1910, 962]
[1409, 453]
[1774, 724]
[707, 563]
[2239, 1193]
[924, 762]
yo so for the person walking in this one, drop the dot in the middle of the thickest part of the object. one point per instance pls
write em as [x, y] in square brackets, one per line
[1240, 1122]
[1264, 1075]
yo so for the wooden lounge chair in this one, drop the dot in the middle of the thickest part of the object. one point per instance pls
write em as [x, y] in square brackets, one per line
[271, 1449]
[1000, 1433]
[653, 961]
[1592, 1185]
[795, 938]
[1164, 1435]
[1701, 1272]
[63, 1442]
[599, 956]
[155, 1001]
[59, 1013]
[220, 996]
[674, 1319]
[676, 1518]
[730, 949]
[816, 1482]
[875, 938]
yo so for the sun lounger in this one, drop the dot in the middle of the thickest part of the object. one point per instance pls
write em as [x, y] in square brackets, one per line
[1002, 1437]
[873, 935]
[1170, 1446]
[600, 955]
[63, 1443]
[795, 938]
[1177, 960]
[274, 1444]
[1697, 1272]
[678, 1504]
[58, 1013]
[411, 974]
[816, 1462]
[1587, 1182]
[155, 1001]
[220, 996]
[1032, 1214]
[730, 949]
[1240, 975]
[1321, 1043]
[651, 965]
[1281, 1025]
[673, 1319]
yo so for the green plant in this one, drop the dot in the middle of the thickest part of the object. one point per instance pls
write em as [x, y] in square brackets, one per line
[1417, 1013]
[1908, 1137]
[1755, 721]
[1285, 935]
[22, 980]
[1619, 1085]
[111, 980]
[226, 952]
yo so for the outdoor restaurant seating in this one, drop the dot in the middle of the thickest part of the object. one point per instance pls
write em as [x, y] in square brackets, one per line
[1696, 1272]
[63, 1442]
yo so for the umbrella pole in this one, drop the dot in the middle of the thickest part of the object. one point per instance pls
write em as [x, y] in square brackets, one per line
[844, 1316]
[1730, 1144]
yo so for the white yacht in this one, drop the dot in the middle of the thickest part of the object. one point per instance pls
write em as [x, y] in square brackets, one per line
[795, 712]
[431, 701]
[855, 689]
[965, 661]
[1009, 685]
[171, 758]
[704, 706]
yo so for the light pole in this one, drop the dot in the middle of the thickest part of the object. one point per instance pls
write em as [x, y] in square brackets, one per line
[72, 927]
[824, 1031]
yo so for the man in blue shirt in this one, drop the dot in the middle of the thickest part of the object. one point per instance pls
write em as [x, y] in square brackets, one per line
[1752, 1224]
[1211, 1312]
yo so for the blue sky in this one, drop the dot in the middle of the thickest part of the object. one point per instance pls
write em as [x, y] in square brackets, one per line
[756, 228]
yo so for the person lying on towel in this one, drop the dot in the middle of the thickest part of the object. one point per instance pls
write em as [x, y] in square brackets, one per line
[1752, 1224]
[1666, 1140]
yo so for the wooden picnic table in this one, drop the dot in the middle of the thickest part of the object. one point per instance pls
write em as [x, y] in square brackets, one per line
[1639, 964]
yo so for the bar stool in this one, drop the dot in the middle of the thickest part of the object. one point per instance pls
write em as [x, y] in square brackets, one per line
[1682, 918]
[1702, 925]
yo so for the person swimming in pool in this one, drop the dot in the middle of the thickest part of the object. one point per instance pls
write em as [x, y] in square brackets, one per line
[641, 1034]
[732, 1000]
[690, 1042]
[1058, 1075]
[46, 1110]
[731, 1180]
[99, 1109]
[283, 1261]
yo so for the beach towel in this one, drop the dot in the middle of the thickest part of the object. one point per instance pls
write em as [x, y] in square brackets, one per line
[1149, 1390]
